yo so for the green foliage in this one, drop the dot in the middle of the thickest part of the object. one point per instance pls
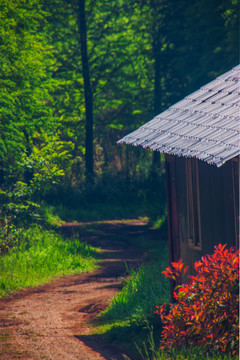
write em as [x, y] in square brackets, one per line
[16, 213]
[16, 206]
[25, 82]
[9, 236]
[141, 61]
[46, 163]
[50, 215]
[40, 256]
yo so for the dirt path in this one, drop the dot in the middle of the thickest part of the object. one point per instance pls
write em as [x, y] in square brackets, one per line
[53, 321]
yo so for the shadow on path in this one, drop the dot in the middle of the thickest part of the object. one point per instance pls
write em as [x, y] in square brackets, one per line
[97, 343]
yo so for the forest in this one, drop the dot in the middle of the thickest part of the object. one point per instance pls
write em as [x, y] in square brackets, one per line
[78, 75]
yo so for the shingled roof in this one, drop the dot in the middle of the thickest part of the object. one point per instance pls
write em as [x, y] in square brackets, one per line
[204, 125]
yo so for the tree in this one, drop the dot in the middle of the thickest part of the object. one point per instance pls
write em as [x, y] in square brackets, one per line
[143, 56]
[87, 91]
[27, 120]
[117, 67]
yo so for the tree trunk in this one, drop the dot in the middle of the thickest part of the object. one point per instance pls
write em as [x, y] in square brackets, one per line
[156, 50]
[156, 161]
[87, 91]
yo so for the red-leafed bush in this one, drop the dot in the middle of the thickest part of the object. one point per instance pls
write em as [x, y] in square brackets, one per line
[206, 309]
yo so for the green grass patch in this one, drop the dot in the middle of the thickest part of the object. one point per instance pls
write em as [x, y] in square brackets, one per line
[130, 315]
[98, 211]
[41, 256]
[50, 216]
[112, 196]
[144, 288]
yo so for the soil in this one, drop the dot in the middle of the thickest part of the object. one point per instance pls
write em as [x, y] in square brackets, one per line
[54, 321]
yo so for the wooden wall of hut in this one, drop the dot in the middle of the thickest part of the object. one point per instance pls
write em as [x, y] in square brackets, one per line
[207, 206]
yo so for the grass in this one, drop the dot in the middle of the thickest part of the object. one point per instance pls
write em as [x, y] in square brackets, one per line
[131, 312]
[144, 289]
[50, 215]
[111, 197]
[98, 212]
[149, 351]
[143, 343]
[185, 354]
[41, 256]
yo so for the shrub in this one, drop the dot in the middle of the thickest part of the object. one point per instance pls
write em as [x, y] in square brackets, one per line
[206, 311]
[17, 212]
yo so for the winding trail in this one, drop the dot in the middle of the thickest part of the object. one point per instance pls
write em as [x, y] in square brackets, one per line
[53, 321]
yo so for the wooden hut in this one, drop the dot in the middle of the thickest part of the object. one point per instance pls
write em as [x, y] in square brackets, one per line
[200, 136]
